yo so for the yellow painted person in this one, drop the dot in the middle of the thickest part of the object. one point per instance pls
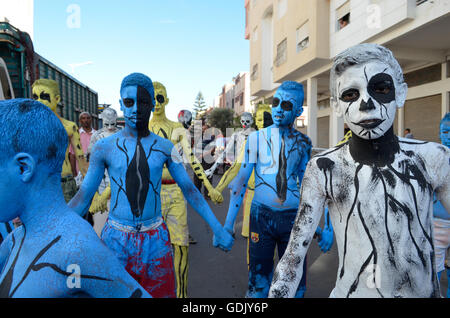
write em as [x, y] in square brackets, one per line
[173, 206]
[47, 92]
[263, 119]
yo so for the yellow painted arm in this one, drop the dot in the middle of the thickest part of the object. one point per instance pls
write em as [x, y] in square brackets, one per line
[100, 201]
[216, 196]
[79, 154]
[231, 173]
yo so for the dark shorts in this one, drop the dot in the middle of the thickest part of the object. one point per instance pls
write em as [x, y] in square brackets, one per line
[269, 230]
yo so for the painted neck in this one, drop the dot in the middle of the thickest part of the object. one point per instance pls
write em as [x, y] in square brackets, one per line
[138, 132]
[159, 117]
[44, 202]
[379, 152]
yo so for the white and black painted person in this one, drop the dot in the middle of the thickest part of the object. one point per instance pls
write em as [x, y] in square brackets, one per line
[134, 157]
[278, 155]
[378, 188]
[442, 217]
[237, 140]
[54, 253]
[101, 200]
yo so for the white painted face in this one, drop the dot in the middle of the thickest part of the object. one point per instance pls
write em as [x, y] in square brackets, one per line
[246, 120]
[368, 96]
[109, 118]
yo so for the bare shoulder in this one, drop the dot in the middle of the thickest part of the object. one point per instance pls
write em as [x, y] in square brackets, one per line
[70, 126]
[432, 152]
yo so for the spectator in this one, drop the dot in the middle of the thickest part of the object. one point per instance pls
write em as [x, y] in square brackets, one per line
[408, 134]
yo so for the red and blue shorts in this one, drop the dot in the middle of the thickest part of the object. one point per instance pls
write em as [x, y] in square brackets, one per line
[146, 254]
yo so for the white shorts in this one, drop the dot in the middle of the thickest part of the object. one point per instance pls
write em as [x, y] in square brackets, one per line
[441, 242]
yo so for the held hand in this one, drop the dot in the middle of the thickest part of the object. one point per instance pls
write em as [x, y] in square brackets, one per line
[326, 240]
[209, 172]
[99, 203]
[223, 240]
[216, 196]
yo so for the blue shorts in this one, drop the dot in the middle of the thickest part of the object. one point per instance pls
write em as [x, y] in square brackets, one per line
[269, 229]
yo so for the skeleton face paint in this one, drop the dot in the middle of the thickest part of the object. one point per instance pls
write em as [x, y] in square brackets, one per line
[161, 100]
[136, 105]
[43, 94]
[285, 108]
[367, 99]
[109, 118]
[246, 120]
[185, 117]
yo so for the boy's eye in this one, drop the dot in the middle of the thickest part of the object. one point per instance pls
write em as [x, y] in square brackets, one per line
[275, 102]
[128, 102]
[350, 95]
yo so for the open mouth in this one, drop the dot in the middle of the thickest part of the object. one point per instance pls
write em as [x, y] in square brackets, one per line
[369, 123]
[279, 116]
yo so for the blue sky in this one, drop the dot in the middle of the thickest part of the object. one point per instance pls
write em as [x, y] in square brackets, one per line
[188, 45]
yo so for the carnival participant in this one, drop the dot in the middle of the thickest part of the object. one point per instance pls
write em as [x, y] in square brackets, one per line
[101, 201]
[278, 155]
[54, 253]
[47, 92]
[442, 217]
[378, 188]
[134, 157]
[173, 206]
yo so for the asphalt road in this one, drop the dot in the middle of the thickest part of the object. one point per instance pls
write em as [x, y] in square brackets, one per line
[217, 274]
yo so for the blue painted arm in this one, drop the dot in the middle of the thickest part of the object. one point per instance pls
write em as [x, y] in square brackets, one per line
[81, 202]
[326, 236]
[240, 184]
[224, 240]
[439, 210]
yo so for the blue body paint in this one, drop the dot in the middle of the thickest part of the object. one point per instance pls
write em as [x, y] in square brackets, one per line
[134, 158]
[279, 155]
[54, 253]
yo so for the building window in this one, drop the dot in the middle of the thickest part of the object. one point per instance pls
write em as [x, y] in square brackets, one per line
[281, 53]
[343, 16]
[282, 8]
[302, 35]
[254, 74]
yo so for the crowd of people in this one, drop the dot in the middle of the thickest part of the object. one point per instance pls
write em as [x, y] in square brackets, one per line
[384, 199]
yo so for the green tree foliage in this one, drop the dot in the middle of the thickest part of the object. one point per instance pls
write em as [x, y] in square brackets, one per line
[221, 118]
[199, 104]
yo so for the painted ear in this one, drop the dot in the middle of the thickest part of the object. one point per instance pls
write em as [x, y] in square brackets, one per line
[336, 106]
[25, 165]
[401, 93]
[299, 111]
[121, 105]
[58, 99]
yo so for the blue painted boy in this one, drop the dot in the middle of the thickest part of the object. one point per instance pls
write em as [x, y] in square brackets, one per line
[442, 217]
[54, 253]
[135, 158]
[278, 154]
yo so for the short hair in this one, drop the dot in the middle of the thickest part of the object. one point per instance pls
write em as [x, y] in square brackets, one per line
[84, 113]
[108, 113]
[51, 84]
[445, 119]
[158, 85]
[31, 127]
[139, 79]
[295, 88]
[408, 130]
[361, 54]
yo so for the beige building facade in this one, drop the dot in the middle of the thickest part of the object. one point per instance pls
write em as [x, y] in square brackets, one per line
[298, 39]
